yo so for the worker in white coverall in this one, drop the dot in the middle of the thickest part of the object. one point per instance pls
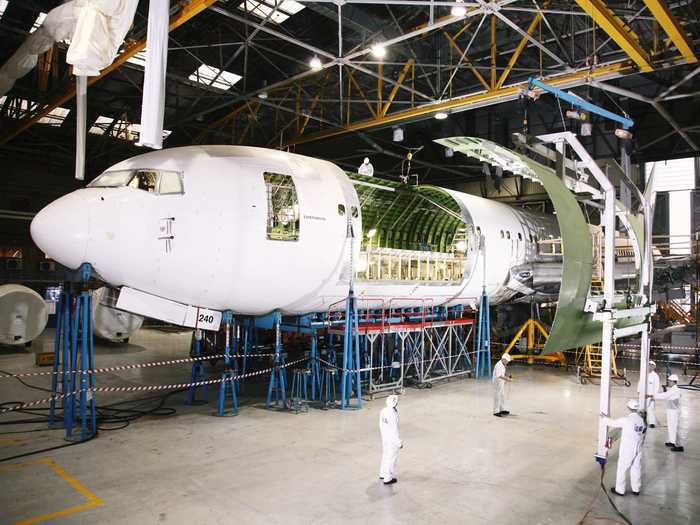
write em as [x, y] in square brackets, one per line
[672, 396]
[499, 380]
[630, 454]
[366, 168]
[653, 388]
[391, 442]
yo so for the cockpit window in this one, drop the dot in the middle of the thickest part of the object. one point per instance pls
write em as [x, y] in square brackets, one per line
[162, 182]
[144, 180]
[170, 183]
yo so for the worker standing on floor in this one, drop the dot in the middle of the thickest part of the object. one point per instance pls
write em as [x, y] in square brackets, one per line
[630, 453]
[499, 380]
[653, 388]
[391, 442]
[672, 396]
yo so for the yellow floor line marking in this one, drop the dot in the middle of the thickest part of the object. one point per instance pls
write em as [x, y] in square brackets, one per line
[92, 500]
[12, 441]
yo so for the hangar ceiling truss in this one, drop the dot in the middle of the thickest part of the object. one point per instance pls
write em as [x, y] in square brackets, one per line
[434, 62]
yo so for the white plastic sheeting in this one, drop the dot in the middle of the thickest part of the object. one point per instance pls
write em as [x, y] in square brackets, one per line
[58, 25]
[153, 104]
[99, 31]
[81, 126]
[95, 28]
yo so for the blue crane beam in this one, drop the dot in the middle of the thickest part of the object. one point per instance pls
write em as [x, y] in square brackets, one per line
[578, 102]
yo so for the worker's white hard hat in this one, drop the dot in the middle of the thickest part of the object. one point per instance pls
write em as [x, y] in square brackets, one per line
[507, 358]
[633, 404]
[652, 363]
[366, 161]
[673, 377]
[392, 401]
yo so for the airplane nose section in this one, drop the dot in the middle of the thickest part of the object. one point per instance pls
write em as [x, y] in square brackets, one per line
[61, 230]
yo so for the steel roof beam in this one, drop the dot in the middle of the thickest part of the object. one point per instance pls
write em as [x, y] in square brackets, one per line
[471, 101]
[673, 29]
[618, 31]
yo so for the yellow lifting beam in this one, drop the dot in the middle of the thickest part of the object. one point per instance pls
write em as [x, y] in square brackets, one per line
[532, 328]
[673, 29]
[618, 31]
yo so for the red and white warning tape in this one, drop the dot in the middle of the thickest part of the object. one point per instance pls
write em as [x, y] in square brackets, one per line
[145, 388]
[132, 366]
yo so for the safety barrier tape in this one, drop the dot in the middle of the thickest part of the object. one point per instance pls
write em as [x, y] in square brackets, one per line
[132, 366]
[145, 388]
[626, 345]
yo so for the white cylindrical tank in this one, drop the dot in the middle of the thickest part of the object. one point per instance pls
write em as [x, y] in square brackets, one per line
[23, 314]
[110, 323]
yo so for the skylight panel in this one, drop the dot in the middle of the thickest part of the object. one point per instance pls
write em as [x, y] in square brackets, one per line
[207, 74]
[138, 59]
[37, 23]
[3, 7]
[55, 117]
[101, 125]
[18, 107]
[263, 8]
[121, 129]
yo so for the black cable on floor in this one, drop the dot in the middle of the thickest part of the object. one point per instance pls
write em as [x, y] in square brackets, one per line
[110, 415]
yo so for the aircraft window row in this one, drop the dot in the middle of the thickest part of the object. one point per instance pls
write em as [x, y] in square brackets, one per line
[353, 211]
[161, 182]
[282, 207]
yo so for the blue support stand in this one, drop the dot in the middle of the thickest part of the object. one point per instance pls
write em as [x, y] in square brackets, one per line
[229, 378]
[328, 390]
[197, 375]
[483, 341]
[351, 356]
[315, 367]
[277, 387]
[74, 355]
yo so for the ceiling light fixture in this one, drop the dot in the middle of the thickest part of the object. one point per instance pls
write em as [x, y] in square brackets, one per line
[379, 50]
[316, 64]
[459, 10]
[440, 115]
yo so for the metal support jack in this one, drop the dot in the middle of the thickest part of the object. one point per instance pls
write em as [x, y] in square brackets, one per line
[351, 356]
[277, 387]
[197, 375]
[483, 339]
[74, 352]
[229, 378]
[530, 353]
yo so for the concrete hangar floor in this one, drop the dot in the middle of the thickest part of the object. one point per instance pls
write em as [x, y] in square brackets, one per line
[459, 464]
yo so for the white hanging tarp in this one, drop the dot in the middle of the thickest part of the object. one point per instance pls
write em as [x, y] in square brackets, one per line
[153, 104]
[95, 28]
[99, 32]
[58, 25]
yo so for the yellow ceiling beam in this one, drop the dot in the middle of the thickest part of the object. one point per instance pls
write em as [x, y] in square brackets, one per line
[518, 51]
[465, 102]
[397, 85]
[673, 29]
[187, 12]
[618, 31]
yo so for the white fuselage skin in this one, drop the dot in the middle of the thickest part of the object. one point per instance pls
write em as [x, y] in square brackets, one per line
[219, 256]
